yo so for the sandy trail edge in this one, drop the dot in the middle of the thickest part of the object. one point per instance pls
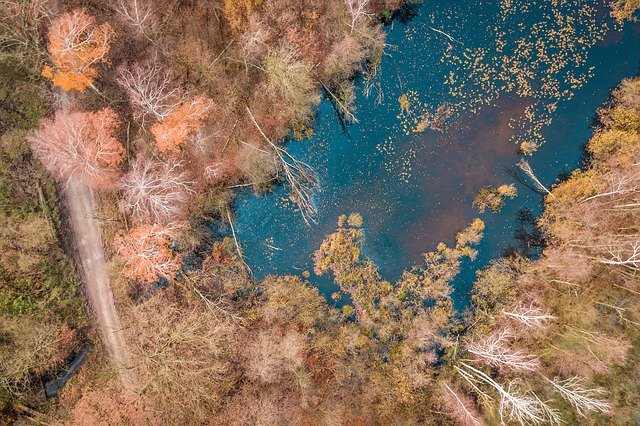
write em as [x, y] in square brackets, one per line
[92, 269]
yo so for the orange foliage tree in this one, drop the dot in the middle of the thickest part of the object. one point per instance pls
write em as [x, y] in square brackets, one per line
[183, 121]
[77, 44]
[80, 145]
[146, 253]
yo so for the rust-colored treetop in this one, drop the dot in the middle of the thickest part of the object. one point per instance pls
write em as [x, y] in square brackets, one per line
[80, 145]
[76, 45]
[146, 253]
[183, 121]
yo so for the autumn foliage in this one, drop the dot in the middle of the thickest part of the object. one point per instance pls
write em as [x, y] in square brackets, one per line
[493, 197]
[80, 145]
[237, 11]
[76, 45]
[183, 121]
[109, 404]
[218, 346]
[624, 9]
[146, 253]
[571, 315]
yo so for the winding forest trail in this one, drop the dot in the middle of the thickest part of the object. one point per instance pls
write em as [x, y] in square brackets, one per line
[92, 267]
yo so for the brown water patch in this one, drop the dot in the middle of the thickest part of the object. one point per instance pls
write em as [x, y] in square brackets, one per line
[472, 153]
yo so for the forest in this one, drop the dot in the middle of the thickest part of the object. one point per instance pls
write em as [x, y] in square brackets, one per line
[154, 114]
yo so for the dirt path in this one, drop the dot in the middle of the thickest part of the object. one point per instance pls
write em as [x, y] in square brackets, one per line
[93, 270]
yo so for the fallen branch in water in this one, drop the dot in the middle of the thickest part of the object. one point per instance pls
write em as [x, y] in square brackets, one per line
[526, 168]
[302, 178]
[445, 34]
[235, 240]
[344, 109]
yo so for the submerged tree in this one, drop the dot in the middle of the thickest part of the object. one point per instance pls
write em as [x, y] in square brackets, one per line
[526, 168]
[80, 145]
[77, 44]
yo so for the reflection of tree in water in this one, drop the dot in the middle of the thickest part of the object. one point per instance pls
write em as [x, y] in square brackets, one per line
[529, 237]
[404, 14]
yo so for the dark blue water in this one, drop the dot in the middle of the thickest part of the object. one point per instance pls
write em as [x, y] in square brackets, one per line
[416, 189]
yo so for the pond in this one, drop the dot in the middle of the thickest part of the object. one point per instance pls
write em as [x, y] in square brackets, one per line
[506, 72]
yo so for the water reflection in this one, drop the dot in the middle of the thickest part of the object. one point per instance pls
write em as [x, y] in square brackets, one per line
[415, 190]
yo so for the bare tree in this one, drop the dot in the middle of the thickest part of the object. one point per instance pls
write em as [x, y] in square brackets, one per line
[253, 41]
[182, 352]
[619, 184]
[152, 90]
[202, 141]
[20, 21]
[138, 14]
[302, 178]
[155, 191]
[271, 354]
[258, 406]
[627, 255]
[80, 145]
[460, 407]
[213, 172]
[524, 408]
[581, 398]
[496, 351]
[289, 79]
[358, 9]
[531, 316]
